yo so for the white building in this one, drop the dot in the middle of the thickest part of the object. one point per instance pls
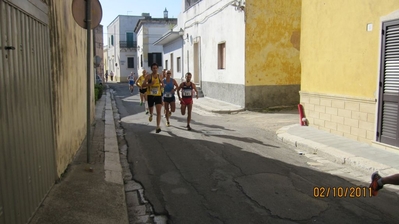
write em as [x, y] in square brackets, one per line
[212, 36]
[148, 31]
[172, 43]
[122, 47]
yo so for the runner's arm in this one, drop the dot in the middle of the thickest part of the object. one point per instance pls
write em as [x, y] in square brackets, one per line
[178, 90]
[145, 83]
[195, 88]
[138, 83]
[175, 84]
[161, 82]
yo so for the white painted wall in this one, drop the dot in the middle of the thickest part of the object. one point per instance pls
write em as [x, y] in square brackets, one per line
[113, 49]
[211, 22]
[140, 54]
[119, 28]
[153, 31]
[175, 48]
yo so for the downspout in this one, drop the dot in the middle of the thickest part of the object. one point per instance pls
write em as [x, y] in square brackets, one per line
[200, 61]
[182, 58]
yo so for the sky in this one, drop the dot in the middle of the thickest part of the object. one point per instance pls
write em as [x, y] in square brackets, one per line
[113, 8]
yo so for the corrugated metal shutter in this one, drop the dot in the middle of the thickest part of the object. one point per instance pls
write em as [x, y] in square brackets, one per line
[27, 161]
[389, 93]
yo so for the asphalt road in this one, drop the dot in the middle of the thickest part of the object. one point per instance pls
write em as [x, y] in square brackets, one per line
[231, 169]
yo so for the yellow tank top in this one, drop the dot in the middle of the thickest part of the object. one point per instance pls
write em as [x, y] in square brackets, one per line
[155, 89]
[141, 80]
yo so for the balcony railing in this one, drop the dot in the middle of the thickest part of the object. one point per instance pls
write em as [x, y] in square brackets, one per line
[128, 44]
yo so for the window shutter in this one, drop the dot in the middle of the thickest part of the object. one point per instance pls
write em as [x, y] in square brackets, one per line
[389, 93]
[150, 61]
[159, 59]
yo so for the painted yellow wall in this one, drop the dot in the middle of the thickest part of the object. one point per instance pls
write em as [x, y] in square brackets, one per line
[272, 42]
[68, 56]
[338, 55]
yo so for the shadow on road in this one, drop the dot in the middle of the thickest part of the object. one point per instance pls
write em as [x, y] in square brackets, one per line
[194, 178]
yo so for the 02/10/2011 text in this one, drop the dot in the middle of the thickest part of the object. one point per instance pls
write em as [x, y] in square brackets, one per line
[341, 192]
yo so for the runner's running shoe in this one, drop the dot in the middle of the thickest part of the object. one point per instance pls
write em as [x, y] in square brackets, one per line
[375, 187]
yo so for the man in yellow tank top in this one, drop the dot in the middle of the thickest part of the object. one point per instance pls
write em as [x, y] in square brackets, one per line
[154, 86]
[143, 91]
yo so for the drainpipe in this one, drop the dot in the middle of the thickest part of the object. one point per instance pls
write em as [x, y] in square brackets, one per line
[182, 58]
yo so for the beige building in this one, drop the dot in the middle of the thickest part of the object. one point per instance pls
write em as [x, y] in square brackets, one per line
[350, 68]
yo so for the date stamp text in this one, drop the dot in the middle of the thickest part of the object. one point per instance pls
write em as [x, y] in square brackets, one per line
[341, 192]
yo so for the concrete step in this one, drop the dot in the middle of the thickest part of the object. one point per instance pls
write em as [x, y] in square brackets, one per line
[200, 93]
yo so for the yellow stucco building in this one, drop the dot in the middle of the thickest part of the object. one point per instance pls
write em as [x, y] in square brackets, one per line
[350, 68]
[272, 41]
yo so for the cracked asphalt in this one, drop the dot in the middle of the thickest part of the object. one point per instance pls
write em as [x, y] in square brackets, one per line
[231, 169]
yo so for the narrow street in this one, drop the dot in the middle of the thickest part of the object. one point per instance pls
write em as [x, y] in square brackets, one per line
[231, 169]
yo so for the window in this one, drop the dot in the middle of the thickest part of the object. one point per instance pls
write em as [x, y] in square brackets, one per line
[141, 60]
[166, 64]
[129, 40]
[155, 57]
[130, 62]
[112, 40]
[178, 64]
[222, 56]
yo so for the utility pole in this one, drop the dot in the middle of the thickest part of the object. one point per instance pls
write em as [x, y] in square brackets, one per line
[88, 83]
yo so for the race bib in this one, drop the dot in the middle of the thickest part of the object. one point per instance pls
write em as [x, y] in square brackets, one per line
[187, 92]
[154, 91]
[167, 94]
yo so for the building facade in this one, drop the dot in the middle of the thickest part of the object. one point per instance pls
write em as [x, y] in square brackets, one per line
[272, 49]
[241, 55]
[172, 43]
[98, 51]
[105, 60]
[149, 30]
[122, 47]
[349, 79]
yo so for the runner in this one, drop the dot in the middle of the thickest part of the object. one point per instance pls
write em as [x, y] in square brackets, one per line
[187, 88]
[154, 86]
[163, 103]
[143, 90]
[378, 182]
[169, 95]
[132, 79]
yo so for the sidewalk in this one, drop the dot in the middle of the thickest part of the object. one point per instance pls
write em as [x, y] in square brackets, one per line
[90, 193]
[332, 147]
[216, 106]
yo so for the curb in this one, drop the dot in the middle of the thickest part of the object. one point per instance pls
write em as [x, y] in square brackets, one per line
[112, 162]
[333, 154]
[112, 165]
